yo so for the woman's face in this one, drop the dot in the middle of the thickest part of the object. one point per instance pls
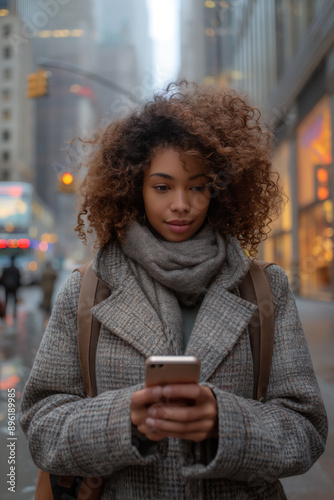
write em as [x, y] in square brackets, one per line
[176, 195]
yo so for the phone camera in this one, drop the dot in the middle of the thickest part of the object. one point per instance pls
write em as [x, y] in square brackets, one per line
[152, 366]
[160, 366]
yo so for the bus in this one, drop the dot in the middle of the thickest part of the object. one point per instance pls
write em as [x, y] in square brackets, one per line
[26, 230]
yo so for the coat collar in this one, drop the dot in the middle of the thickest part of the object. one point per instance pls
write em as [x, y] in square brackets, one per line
[222, 317]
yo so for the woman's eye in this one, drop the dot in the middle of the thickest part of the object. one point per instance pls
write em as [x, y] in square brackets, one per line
[198, 188]
[161, 188]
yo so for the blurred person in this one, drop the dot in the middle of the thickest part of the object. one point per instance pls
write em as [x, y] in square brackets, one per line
[179, 195]
[47, 284]
[11, 281]
[2, 309]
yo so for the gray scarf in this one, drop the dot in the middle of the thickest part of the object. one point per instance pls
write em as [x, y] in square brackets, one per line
[169, 272]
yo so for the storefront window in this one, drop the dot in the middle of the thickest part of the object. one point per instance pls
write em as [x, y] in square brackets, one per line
[278, 249]
[314, 142]
[316, 251]
[315, 211]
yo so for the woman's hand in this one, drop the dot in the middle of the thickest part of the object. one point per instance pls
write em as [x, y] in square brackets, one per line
[184, 411]
[140, 403]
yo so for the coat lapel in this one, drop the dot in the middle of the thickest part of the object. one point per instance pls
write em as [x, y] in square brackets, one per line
[221, 320]
[128, 314]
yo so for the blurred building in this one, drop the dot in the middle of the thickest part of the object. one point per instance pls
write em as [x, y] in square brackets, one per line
[207, 38]
[281, 53]
[16, 119]
[24, 218]
[62, 37]
[124, 54]
[64, 34]
[284, 56]
[192, 41]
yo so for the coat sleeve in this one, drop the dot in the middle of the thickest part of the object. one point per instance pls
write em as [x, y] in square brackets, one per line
[285, 435]
[69, 433]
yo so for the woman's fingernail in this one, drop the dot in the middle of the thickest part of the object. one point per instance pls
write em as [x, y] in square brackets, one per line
[152, 412]
[156, 391]
[150, 422]
[167, 391]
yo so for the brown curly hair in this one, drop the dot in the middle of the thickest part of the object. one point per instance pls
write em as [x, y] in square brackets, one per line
[218, 126]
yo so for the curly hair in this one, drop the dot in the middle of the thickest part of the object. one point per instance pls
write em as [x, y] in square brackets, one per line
[219, 127]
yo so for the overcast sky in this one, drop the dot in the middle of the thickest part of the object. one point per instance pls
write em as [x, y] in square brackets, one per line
[164, 29]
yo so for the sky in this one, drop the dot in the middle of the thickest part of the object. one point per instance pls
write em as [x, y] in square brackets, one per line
[164, 30]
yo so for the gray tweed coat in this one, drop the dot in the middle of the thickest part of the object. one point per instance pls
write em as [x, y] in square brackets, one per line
[258, 443]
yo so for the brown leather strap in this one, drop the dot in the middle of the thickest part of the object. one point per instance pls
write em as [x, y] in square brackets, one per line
[247, 292]
[89, 282]
[92, 292]
[101, 293]
[256, 289]
[265, 302]
[43, 489]
[262, 263]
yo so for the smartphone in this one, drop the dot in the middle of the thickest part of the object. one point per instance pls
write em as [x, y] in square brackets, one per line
[163, 370]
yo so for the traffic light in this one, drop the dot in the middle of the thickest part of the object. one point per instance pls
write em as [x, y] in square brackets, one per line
[37, 84]
[66, 183]
[322, 182]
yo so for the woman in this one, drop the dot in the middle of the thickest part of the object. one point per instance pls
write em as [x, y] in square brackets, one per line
[175, 194]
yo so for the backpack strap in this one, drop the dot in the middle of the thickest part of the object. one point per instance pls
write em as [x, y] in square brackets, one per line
[92, 292]
[256, 288]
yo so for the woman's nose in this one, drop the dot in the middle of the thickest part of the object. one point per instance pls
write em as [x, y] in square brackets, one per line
[180, 202]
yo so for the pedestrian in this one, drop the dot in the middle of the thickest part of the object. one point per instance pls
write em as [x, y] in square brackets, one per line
[11, 281]
[2, 310]
[178, 195]
[47, 283]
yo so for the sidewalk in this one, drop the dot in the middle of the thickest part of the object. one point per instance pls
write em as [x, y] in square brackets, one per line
[318, 323]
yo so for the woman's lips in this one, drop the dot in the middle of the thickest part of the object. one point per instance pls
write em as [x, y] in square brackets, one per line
[179, 226]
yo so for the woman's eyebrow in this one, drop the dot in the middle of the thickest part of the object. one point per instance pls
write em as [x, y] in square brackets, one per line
[166, 176]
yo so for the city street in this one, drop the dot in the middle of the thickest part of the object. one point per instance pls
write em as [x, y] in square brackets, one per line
[192, 118]
[19, 344]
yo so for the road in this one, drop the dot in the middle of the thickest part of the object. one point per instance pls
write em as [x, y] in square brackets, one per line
[19, 343]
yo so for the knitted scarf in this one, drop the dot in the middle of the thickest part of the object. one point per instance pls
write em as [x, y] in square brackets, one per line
[170, 272]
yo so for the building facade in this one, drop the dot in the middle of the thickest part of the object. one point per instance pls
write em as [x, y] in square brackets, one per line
[192, 41]
[284, 54]
[281, 54]
[16, 113]
[124, 55]
[206, 42]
